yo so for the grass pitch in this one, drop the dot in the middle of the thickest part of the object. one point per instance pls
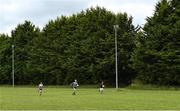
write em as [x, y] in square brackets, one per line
[21, 98]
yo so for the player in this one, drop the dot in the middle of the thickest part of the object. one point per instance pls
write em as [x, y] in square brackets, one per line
[74, 86]
[101, 89]
[40, 88]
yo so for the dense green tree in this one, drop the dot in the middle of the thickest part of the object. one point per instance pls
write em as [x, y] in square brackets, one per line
[5, 59]
[157, 56]
[80, 47]
[22, 38]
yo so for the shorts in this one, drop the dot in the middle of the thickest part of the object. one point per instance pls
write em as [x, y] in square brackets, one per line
[101, 89]
[40, 90]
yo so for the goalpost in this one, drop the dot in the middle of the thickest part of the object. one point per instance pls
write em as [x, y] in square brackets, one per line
[13, 65]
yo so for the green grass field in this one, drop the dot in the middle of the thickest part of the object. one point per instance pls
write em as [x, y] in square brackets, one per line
[21, 98]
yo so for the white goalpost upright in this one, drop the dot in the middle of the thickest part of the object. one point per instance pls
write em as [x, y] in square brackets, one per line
[13, 65]
[115, 29]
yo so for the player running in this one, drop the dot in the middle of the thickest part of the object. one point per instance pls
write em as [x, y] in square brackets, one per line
[101, 89]
[40, 88]
[74, 86]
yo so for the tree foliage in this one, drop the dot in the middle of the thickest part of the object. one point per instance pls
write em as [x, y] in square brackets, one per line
[22, 38]
[5, 59]
[157, 55]
[80, 47]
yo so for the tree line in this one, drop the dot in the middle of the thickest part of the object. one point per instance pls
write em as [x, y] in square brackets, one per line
[81, 46]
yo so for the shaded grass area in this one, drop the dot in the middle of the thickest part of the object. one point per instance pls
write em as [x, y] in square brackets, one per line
[55, 98]
[152, 87]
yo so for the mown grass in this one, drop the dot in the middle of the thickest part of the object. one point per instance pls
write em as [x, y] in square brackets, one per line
[152, 87]
[60, 98]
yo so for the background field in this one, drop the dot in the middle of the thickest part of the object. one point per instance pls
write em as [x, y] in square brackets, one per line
[21, 98]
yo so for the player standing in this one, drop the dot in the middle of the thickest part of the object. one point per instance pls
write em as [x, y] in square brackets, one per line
[74, 86]
[40, 88]
[101, 89]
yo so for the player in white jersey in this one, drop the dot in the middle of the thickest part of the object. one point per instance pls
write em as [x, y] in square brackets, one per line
[40, 88]
[101, 89]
